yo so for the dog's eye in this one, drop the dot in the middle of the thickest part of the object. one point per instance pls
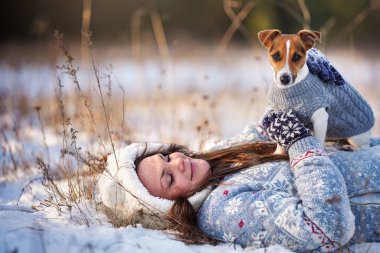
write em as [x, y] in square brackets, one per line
[276, 56]
[296, 57]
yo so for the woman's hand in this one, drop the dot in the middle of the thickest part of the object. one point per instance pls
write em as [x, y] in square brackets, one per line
[284, 127]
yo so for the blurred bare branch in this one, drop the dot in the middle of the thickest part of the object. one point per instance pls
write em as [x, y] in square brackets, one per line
[350, 27]
[327, 28]
[159, 33]
[236, 22]
[237, 19]
[286, 7]
[228, 9]
[135, 32]
[305, 13]
[86, 20]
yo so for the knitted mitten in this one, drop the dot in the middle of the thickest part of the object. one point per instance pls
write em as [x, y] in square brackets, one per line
[284, 127]
[319, 65]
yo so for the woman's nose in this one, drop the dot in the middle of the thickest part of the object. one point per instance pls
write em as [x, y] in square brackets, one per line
[179, 165]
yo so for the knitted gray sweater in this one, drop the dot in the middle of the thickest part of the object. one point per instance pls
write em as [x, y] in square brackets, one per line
[349, 113]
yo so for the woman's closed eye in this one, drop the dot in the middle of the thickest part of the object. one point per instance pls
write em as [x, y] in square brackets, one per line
[169, 179]
[167, 174]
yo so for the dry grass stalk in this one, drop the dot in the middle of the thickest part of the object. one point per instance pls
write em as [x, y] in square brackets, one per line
[6, 149]
[38, 109]
[69, 69]
[71, 184]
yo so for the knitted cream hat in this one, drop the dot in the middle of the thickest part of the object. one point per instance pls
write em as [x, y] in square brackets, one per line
[123, 193]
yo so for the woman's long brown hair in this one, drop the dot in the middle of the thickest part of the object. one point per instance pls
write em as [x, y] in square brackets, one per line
[222, 163]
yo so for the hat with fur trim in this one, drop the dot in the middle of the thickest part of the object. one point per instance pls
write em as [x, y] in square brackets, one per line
[122, 192]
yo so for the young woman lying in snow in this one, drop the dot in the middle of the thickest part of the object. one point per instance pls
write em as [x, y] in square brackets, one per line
[311, 198]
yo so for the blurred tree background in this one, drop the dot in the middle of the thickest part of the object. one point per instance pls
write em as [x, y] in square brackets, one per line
[111, 21]
[189, 64]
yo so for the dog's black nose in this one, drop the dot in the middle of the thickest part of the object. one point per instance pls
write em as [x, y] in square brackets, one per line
[285, 79]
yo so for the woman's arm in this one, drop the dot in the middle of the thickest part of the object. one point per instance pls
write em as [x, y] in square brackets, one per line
[258, 207]
[319, 183]
[245, 211]
[251, 133]
[323, 193]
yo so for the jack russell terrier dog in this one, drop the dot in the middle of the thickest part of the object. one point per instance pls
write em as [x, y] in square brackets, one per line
[305, 82]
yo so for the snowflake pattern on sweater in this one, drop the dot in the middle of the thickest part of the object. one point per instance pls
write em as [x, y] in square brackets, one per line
[305, 210]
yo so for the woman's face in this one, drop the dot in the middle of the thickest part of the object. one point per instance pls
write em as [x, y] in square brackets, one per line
[172, 176]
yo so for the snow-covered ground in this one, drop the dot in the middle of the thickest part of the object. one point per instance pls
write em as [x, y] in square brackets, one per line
[28, 225]
[209, 98]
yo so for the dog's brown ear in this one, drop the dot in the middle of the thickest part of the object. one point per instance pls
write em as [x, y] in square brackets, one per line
[309, 37]
[266, 37]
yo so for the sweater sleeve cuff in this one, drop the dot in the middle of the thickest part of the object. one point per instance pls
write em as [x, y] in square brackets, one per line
[300, 147]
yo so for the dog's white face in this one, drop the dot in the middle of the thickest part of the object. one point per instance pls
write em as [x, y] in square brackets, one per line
[287, 57]
[287, 54]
